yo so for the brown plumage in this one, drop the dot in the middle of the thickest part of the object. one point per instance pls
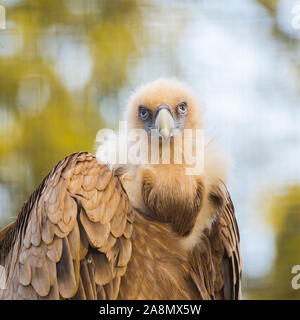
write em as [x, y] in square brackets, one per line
[134, 232]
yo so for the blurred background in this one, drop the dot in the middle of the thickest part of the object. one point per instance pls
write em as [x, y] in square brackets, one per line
[67, 68]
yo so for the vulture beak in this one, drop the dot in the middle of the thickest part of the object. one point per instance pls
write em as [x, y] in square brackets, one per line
[164, 121]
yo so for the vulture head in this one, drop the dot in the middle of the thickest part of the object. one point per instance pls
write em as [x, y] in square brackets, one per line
[165, 105]
[164, 191]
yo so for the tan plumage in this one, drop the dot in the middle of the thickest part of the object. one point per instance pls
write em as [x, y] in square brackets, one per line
[134, 232]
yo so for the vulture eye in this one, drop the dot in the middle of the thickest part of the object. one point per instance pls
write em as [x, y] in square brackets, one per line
[144, 113]
[182, 108]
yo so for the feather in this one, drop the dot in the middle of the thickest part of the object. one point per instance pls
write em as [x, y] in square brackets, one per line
[48, 230]
[24, 274]
[65, 273]
[117, 225]
[105, 179]
[88, 286]
[96, 233]
[27, 292]
[41, 280]
[54, 251]
[74, 242]
[80, 294]
[103, 269]
[125, 252]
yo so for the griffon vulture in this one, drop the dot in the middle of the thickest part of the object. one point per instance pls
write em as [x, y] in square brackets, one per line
[145, 231]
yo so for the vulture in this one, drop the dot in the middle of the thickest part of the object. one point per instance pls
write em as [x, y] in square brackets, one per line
[98, 230]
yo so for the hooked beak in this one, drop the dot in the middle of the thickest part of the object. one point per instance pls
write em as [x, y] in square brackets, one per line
[164, 123]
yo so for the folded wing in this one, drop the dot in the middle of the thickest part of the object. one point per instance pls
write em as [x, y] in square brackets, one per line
[72, 238]
[215, 262]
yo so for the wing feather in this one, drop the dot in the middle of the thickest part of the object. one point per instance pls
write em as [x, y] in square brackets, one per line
[72, 238]
[215, 261]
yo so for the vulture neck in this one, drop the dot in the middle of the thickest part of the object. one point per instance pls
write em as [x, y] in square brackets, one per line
[166, 194]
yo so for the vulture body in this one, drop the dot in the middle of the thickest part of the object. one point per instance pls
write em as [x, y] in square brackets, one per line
[98, 231]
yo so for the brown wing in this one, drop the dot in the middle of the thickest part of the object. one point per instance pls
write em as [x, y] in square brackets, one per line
[72, 238]
[215, 262]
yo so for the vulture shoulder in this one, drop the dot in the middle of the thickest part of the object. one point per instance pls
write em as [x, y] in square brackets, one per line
[72, 238]
[215, 262]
